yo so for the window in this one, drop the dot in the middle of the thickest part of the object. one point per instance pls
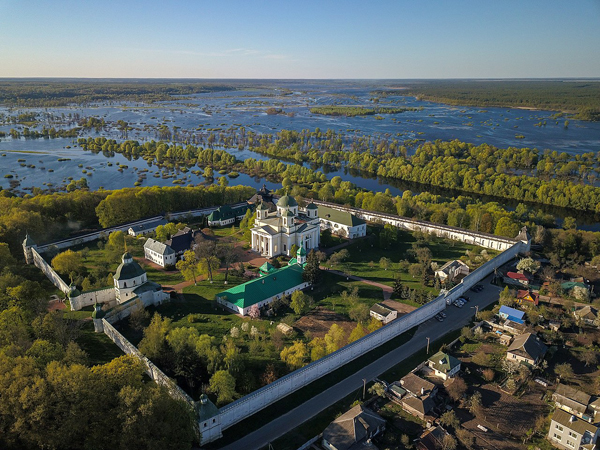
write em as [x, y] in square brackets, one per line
[559, 427]
[557, 437]
[570, 444]
[572, 434]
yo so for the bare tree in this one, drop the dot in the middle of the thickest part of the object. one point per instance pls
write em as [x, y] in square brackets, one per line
[206, 251]
[229, 255]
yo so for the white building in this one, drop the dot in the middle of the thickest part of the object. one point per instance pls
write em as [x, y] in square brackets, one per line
[130, 281]
[276, 233]
[342, 223]
[382, 313]
[452, 270]
[568, 431]
[150, 227]
[159, 253]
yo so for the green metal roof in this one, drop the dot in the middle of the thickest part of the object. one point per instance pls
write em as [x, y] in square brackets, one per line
[443, 362]
[267, 268]
[301, 251]
[259, 289]
[287, 200]
[127, 271]
[567, 286]
[227, 212]
[342, 217]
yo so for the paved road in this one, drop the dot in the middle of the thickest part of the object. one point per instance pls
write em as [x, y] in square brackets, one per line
[457, 318]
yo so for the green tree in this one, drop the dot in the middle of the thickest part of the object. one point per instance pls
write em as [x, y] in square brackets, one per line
[335, 338]
[357, 333]
[222, 384]
[69, 263]
[300, 302]
[189, 266]
[294, 355]
[312, 271]
[154, 343]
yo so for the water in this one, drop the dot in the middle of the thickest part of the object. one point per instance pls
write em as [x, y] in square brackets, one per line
[246, 107]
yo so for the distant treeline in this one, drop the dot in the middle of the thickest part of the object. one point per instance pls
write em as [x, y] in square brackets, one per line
[62, 93]
[352, 111]
[579, 97]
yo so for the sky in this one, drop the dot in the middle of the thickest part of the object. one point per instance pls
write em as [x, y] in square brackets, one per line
[352, 39]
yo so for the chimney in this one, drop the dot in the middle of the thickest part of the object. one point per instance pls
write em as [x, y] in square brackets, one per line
[572, 419]
[422, 391]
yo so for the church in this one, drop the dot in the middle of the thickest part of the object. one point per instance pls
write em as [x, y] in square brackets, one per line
[276, 232]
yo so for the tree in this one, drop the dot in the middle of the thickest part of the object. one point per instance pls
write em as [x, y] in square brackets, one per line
[510, 367]
[528, 265]
[312, 271]
[564, 371]
[188, 266]
[208, 172]
[377, 389]
[229, 254]
[317, 349]
[300, 302]
[507, 297]
[254, 312]
[357, 333]
[589, 357]
[449, 419]
[488, 375]
[385, 263]
[68, 262]
[115, 247]
[359, 313]
[294, 355]
[374, 324]
[465, 438]
[138, 316]
[448, 442]
[507, 227]
[475, 404]
[222, 384]
[456, 389]
[335, 337]
[206, 251]
[154, 343]
[269, 376]
[339, 257]
[482, 359]
[569, 223]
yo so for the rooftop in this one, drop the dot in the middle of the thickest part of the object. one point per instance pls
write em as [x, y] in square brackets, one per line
[352, 427]
[341, 217]
[415, 384]
[128, 269]
[443, 362]
[381, 309]
[528, 345]
[572, 422]
[158, 247]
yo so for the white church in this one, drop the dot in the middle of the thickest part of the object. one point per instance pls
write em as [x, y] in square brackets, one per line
[275, 233]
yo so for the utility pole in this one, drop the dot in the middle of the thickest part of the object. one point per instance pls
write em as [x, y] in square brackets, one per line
[364, 387]
[427, 345]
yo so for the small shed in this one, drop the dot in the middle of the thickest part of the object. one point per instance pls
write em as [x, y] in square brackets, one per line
[383, 313]
[285, 328]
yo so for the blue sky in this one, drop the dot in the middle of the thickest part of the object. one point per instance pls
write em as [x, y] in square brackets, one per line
[300, 39]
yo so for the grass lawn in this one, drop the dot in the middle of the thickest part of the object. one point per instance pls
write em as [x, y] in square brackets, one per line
[98, 346]
[364, 258]
[328, 293]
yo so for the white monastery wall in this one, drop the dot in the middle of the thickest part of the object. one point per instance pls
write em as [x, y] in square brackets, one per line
[458, 234]
[49, 272]
[106, 295]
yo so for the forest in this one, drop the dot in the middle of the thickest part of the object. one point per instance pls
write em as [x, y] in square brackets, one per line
[53, 93]
[581, 98]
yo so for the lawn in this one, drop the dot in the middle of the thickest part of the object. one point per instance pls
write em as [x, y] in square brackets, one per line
[98, 346]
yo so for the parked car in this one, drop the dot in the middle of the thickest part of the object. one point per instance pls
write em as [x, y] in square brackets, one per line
[443, 314]
[439, 318]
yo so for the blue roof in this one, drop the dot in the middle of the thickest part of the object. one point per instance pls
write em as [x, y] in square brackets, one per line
[512, 313]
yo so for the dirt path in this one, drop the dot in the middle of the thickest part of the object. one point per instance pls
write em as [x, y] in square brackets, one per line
[387, 290]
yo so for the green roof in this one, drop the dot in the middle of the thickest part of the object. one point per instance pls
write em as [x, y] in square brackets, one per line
[301, 251]
[311, 205]
[259, 289]
[127, 271]
[567, 286]
[262, 207]
[292, 261]
[267, 268]
[227, 212]
[337, 216]
[443, 362]
[206, 408]
[287, 200]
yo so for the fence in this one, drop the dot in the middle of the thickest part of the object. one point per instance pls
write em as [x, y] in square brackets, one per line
[471, 237]
[105, 295]
[153, 372]
[254, 402]
[49, 272]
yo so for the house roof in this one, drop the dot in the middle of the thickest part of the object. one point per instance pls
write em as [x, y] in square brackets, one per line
[381, 309]
[422, 404]
[571, 397]
[226, 212]
[528, 345]
[128, 269]
[148, 226]
[517, 276]
[451, 265]
[337, 216]
[572, 422]
[148, 286]
[587, 312]
[511, 313]
[158, 247]
[415, 384]
[568, 285]
[524, 294]
[443, 362]
[432, 439]
[259, 289]
[352, 427]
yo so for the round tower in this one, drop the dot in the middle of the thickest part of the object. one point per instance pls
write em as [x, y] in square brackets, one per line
[28, 245]
[97, 317]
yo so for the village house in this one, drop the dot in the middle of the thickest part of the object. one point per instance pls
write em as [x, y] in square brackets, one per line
[516, 279]
[341, 223]
[353, 430]
[588, 315]
[265, 289]
[419, 395]
[432, 439]
[383, 313]
[526, 348]
[444, 366]
[159, 253]
[452, 271]
[182, 241]
[526, 297]
[275, 233]
[568, 431]
[512, 314]
[572, 401]
[226, 215]
[147, 228]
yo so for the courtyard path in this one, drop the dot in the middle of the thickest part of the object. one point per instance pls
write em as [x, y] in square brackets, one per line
[432, 329]
[387, 290]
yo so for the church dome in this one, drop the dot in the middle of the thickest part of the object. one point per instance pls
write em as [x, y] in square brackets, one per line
[287, 200]
[311, 205]
[128, 269]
